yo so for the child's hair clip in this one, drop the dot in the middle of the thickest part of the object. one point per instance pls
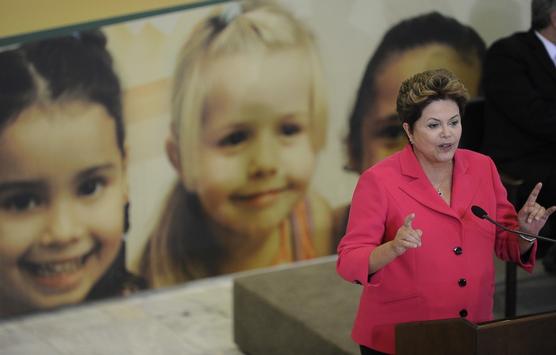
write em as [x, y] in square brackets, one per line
[231, 11]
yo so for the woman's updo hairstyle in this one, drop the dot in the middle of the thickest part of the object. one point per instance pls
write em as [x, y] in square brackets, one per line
[421, 89]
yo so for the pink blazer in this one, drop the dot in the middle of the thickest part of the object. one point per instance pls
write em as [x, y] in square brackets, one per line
[452, 273]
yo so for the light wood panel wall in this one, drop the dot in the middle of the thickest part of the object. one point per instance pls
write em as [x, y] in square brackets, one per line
[18, 17]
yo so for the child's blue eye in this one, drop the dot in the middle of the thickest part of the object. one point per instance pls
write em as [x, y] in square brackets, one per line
[289, 129]
[233, 138]
[91, 186]
[22, 202]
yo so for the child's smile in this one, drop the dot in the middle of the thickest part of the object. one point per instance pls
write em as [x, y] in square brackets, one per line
[256, 156]
[261, 198]
[61, 272]
[62, 193]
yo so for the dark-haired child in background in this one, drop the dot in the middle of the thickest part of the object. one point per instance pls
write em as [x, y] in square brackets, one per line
[424, 42]
[63, 189]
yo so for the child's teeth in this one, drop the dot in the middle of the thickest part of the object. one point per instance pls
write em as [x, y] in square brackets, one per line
[50, 269]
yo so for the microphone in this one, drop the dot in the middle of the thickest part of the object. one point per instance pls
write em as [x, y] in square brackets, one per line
[479, 212]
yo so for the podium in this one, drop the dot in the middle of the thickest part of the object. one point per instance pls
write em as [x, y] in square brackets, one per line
[534, 334]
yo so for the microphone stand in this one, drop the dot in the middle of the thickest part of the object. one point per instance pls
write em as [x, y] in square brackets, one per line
[525, 236]
[480, 213]
[511, 279]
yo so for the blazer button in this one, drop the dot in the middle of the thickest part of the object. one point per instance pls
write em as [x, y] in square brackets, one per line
[462, 282]
[463, 313]
[458, 250]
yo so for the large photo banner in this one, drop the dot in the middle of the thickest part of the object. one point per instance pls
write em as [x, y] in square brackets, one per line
[208, 141]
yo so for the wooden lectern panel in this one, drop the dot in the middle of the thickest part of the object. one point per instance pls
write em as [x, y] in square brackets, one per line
[450, 336]
[534, 334]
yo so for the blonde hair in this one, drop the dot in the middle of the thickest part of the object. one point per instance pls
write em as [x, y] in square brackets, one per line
[172, 256]
[241, 27]
[421, 89]
[182, 246]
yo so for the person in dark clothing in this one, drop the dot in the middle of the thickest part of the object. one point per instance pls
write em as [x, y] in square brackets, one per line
[520, 110]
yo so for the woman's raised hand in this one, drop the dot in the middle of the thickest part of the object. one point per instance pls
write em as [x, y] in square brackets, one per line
[406, 237]
[533, 216]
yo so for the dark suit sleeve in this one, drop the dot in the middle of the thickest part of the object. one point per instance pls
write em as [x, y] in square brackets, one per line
[521, 86]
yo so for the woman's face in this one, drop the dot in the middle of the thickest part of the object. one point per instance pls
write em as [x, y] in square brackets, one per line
[62, 193]
[256, 158]
[381, 131]
[436, 133]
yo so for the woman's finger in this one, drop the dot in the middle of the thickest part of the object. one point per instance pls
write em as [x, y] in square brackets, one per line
[534, 194]
[413, 237]
[408, 220]
[530, 213]
[550, 211]
[539, 213]
[410, 244]
[411, 240]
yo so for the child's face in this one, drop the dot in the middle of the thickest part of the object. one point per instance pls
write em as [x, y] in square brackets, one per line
[382, 131]
[62, 192]
[256, 156]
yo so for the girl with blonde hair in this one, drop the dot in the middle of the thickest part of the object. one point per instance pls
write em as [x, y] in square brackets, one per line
[248, 119]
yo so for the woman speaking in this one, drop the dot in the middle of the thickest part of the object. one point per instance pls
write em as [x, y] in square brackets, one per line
[412, 241]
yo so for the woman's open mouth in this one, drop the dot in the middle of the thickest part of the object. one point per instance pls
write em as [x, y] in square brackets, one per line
[445, 147]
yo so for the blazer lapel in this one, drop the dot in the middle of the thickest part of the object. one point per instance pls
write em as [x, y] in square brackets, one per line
[419, 186]
[464, 185]
[540, 53]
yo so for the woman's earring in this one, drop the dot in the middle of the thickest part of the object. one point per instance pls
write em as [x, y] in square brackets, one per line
[410, 140]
